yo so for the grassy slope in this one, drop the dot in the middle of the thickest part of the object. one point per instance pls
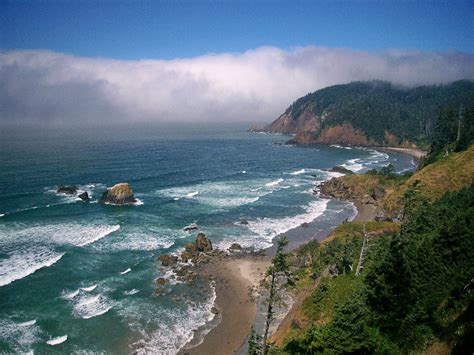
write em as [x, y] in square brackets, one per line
[450, 173]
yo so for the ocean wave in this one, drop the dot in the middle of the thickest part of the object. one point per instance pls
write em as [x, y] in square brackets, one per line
[138, 202]
[177, 328]
[298, 172]
[25, 262]
[269, 228]
[87, 307]
[28, 323]
[220, 194]
[126, 271]
[19, 336]
[89, 289]
[131, 292]
[57, 341]
[340, 146]
[142, 240]
[69, 233]
[274, 183]
[353, 164]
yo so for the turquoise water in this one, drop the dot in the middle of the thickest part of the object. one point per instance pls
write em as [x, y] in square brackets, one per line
[87, 271]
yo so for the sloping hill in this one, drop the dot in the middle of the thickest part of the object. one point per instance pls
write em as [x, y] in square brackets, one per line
[370, 113]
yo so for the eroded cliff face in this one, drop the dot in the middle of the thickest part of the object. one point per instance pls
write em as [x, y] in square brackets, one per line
[287, 124]
[344, 134]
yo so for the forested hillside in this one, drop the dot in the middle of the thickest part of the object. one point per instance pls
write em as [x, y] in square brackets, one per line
[373, 113]
[401, 284]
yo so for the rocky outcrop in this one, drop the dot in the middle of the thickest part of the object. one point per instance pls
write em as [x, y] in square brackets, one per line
[341, 170]
[203, 243]
[73, 191]
[68, 190]
[235, 247]
[168, 260]
[344, 134]
[84, 196]
[118, 194]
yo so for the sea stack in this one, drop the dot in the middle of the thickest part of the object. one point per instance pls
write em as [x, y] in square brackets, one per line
[119, 194]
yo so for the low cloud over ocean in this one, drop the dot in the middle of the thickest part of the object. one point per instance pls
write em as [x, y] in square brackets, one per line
[257, 85]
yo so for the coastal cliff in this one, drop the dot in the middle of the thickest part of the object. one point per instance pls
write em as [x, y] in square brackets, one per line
[372, 113]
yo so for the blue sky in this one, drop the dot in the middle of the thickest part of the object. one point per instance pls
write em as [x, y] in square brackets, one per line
[172, 29]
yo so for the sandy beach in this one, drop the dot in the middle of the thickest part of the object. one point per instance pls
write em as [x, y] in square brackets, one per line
[233, 277]
[417, 153]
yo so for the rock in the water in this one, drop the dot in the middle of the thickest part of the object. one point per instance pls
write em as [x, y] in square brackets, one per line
[244, 221]
[84, 196]
[168, 260]
[161, 281]
[118, 194]
[186, 255]
[214, 310]
[341, 170]
[68, 190]
[190, 247]
[235, 247]
[305, 224]
[203, 243]
[191, 227]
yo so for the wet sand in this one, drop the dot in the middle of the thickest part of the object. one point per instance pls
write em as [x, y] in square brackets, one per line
[237, 309]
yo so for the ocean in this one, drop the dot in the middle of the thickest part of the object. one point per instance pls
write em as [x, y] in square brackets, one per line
[78, 276]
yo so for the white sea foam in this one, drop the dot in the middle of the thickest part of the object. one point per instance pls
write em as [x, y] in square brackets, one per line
[298, 172]
[70, 295]
[244, 172]
[19, 336]
[25, 262]
[340, 146]
[101, 233]
[125, 271]
[142, 239]
[131, 292]
[274, 183]
[89, 289]
[56, 341]
[138, 202]
[70, 233]
[268, 228]
[220, 194]
[177, 330]
[2, 214]
[87, 307]
[353, 164]
[28, 323]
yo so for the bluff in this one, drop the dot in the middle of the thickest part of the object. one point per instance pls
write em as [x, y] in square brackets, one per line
[370, 113]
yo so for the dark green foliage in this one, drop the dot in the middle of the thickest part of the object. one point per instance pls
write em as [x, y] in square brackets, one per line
[375, 107]
[418, 284]
[451, 121]
[255, 343]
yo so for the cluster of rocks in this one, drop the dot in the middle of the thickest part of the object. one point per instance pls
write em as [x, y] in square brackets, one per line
[73, 191]
[341, 170]
[118, 194]
[194, 255]
[338, 188]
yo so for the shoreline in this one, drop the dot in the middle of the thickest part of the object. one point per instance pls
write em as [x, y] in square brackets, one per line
[238, 276]
[414, 152]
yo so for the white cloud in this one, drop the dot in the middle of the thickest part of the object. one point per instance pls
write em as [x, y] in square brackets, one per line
[257, 85]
